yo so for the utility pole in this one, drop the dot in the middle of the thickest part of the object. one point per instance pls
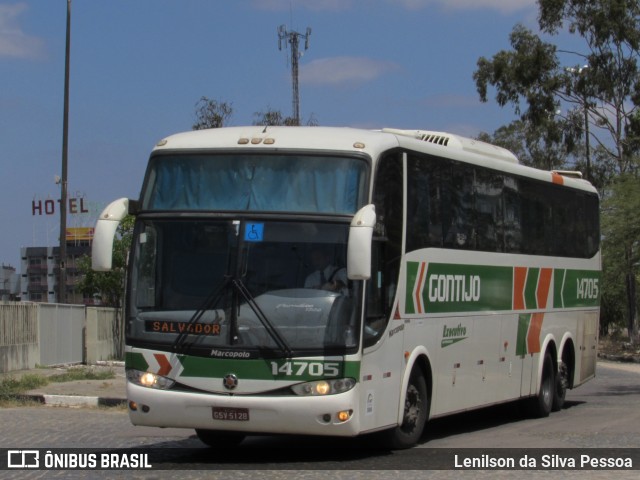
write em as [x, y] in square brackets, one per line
[293, 38]
[62, 279]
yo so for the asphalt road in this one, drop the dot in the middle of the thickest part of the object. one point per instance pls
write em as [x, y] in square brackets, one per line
[603, 413]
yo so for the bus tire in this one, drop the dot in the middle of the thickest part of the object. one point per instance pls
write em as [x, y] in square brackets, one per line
[416, 412]
[541, 404]
[562, 383]
[216, 438]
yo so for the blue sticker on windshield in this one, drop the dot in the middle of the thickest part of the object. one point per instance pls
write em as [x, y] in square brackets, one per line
[254, 232]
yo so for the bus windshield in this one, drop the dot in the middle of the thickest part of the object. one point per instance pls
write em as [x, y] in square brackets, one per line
[277, 183]
[249, 287]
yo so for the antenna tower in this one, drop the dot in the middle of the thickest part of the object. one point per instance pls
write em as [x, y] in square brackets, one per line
[293, 38]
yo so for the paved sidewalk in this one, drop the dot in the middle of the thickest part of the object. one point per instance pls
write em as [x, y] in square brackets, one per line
[81, 393]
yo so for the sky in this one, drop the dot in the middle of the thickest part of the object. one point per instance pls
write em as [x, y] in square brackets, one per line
[139, 67]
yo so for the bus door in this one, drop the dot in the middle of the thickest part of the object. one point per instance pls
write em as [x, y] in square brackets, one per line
[383, 335]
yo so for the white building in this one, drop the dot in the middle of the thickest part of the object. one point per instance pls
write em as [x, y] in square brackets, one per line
[9, 283]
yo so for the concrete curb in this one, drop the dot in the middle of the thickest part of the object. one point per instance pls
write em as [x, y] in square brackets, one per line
[72, 400]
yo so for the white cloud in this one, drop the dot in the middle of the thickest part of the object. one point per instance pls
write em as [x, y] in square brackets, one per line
[339, 71]
[503, 6]
[13, 41]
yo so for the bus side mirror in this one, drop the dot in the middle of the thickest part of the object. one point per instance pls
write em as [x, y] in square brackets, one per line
[105, 232]
[359, 246]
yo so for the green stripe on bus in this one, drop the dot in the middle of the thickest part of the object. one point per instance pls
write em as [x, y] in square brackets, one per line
[558, 282]
[412, 276]
[531, 287]
[464, 288]
[135, 361]
[450, 288]
[298, 369]
[524, 320]
[576, 288]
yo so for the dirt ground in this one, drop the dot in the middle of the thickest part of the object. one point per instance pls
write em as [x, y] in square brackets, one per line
[618, 349]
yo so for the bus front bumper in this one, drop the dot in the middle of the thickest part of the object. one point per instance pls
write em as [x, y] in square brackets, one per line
[302, 415]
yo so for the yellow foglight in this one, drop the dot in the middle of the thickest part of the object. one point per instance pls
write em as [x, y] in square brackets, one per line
[344, 415]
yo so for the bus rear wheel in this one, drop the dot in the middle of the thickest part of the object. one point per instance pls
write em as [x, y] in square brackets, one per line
[216, 438]
[416, 411]
[541, 405]
[562, 383]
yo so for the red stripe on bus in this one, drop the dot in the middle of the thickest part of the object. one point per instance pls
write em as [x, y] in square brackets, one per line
[533, 338]
[519, 280]
[544, 283]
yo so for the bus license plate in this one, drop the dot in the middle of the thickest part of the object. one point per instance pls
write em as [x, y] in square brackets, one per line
[229, 413]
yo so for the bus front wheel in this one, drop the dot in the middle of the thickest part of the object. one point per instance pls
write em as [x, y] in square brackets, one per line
[416, 411]
[216, 438]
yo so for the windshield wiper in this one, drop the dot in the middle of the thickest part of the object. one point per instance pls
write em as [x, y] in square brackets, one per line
[266, 323]
[210, 302]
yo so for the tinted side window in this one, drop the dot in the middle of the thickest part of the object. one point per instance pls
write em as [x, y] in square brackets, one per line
[489, 202]
[455, 205]
[387, 246]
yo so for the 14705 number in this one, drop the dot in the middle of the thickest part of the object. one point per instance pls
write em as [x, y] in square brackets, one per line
[299, 368]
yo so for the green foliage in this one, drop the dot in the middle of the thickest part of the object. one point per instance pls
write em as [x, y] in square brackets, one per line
[109, 285]
[601, 23]
[10, 386]
[532, 78]
[74, 374]
[601, 90]
[620, 247]
[545, 145]
[526, 74]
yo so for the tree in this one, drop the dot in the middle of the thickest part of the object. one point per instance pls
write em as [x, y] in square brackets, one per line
[602, 85]
[611, 30]
[548, 146]
[532, 78]
[272, 117]
[621, 250]
[212, 114]
[110, 286]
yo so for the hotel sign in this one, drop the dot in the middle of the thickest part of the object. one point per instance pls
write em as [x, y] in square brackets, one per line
[49, 206]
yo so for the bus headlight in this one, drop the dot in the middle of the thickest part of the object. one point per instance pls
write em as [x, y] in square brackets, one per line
[150, 380]
[324, 387]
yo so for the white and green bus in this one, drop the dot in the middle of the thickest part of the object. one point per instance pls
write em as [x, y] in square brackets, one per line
[336, 281]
